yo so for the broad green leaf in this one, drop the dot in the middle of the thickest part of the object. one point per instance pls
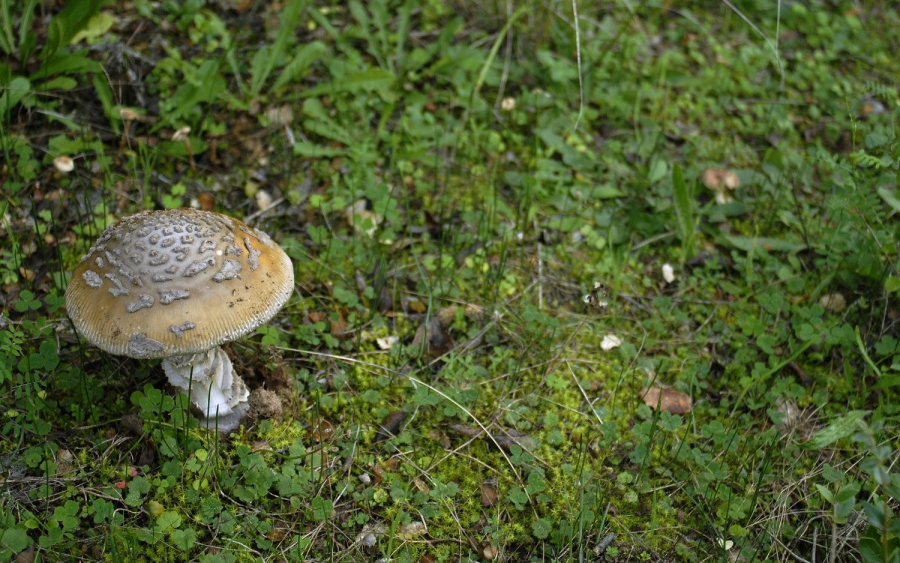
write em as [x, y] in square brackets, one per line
[890, 197]
[606, 192]
[15, 539]
[892, 284]
[13, 93]
[58, 83]
[184, 539]
[95, 28]
[733, 209]
[658, 170]
[71, 63]
[842, 427]
[768, 244]
[65, 26]
[105, 95]
[683, 211]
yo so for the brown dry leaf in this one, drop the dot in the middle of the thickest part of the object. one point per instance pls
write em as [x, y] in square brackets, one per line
[448, 314]
[439, 342]
[260, 446]
[277, 534]
[321, 430]
[489, 492]
[338, 326]
[427, 558]
[390, 426]
[26, 556]
[317, 316]
[440, 437]
[668, 400]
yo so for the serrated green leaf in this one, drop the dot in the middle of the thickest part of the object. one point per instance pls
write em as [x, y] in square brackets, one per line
[541, 528]
[184, 539]
[304, 57]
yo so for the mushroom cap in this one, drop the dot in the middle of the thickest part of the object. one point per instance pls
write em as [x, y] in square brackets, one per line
[179, 281]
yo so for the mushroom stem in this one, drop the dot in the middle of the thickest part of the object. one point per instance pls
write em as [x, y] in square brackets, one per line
[214, 387]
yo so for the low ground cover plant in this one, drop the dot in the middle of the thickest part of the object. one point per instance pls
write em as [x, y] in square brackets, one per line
[573, 282]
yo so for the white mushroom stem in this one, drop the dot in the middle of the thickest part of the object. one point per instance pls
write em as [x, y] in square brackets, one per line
[214, 387]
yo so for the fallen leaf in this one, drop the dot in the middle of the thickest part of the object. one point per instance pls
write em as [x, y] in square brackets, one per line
[321, 430]
[417, 306]
[489, 492]
[390, 426]
[667, 400]
[439, 342]
[412, 530]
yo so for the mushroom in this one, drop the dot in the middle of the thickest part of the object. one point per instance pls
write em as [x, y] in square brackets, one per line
[176, 284]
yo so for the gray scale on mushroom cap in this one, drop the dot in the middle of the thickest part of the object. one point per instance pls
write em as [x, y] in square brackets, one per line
[144, 302]
[230, 270]
[167, 296]
[253, 259]
[119, 290]
[222, 292]
[179, 330]
[92, 279]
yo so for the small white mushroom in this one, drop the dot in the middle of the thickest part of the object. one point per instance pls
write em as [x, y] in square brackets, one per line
[185, 298]
[64, 164]
[668, 273]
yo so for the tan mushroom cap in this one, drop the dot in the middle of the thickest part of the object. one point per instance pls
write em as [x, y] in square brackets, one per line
[180, 281]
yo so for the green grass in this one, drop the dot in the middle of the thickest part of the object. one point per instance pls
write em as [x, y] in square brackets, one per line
[451, 182]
